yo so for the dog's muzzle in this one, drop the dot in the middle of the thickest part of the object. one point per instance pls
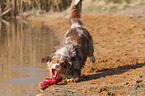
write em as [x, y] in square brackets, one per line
[54, 69]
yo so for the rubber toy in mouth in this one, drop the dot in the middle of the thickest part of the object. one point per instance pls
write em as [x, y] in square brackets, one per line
[44, 84]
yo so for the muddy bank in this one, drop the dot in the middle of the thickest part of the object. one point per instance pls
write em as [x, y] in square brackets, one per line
[119, 44]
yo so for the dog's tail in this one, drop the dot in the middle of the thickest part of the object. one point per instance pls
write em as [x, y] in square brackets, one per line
[75, 13]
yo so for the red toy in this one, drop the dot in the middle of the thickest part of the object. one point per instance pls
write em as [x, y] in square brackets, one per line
[44, 84]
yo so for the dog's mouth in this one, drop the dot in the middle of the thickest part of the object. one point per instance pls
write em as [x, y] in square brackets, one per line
[54, 72]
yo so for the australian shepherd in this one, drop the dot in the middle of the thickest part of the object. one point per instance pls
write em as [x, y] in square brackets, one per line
[68, 60]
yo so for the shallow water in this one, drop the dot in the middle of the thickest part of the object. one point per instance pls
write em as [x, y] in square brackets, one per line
[21, 48]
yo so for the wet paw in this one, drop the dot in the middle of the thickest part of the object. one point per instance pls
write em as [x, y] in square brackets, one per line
[71, 80]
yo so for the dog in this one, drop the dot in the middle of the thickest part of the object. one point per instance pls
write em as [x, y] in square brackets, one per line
[68, 60]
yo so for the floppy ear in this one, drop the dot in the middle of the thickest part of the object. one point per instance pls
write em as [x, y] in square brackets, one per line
[68, 63]
[45, 59]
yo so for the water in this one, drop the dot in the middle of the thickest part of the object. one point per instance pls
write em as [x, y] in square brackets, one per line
[21, 49]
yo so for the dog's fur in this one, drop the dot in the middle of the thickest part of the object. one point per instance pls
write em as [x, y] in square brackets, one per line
[68, 60]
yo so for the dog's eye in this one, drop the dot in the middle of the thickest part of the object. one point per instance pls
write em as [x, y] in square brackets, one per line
[63, 65]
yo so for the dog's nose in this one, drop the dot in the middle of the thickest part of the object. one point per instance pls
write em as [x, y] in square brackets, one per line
[56, 66]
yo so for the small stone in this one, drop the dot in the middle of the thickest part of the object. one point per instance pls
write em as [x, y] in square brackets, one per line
[101, 89]
[126, 83]
[138, 81]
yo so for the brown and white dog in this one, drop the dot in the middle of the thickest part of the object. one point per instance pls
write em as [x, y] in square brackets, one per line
[68, 60]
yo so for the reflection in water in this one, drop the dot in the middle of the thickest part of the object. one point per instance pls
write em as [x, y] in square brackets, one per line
[21, 50]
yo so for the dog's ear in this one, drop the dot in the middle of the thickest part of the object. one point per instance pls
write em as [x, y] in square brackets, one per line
[45, 59]
[68, 63]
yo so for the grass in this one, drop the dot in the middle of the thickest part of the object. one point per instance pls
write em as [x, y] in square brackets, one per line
[89, 6]
[96, 6]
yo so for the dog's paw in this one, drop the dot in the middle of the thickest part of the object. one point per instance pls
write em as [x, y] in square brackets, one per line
[72, 80]
[69, 80]
[92, 59]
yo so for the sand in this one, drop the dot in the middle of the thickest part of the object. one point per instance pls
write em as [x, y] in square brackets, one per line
[119, 44]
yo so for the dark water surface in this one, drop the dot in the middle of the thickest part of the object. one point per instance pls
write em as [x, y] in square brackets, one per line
[21, 49]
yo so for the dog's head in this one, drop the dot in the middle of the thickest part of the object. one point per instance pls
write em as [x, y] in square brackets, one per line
[57, 64]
